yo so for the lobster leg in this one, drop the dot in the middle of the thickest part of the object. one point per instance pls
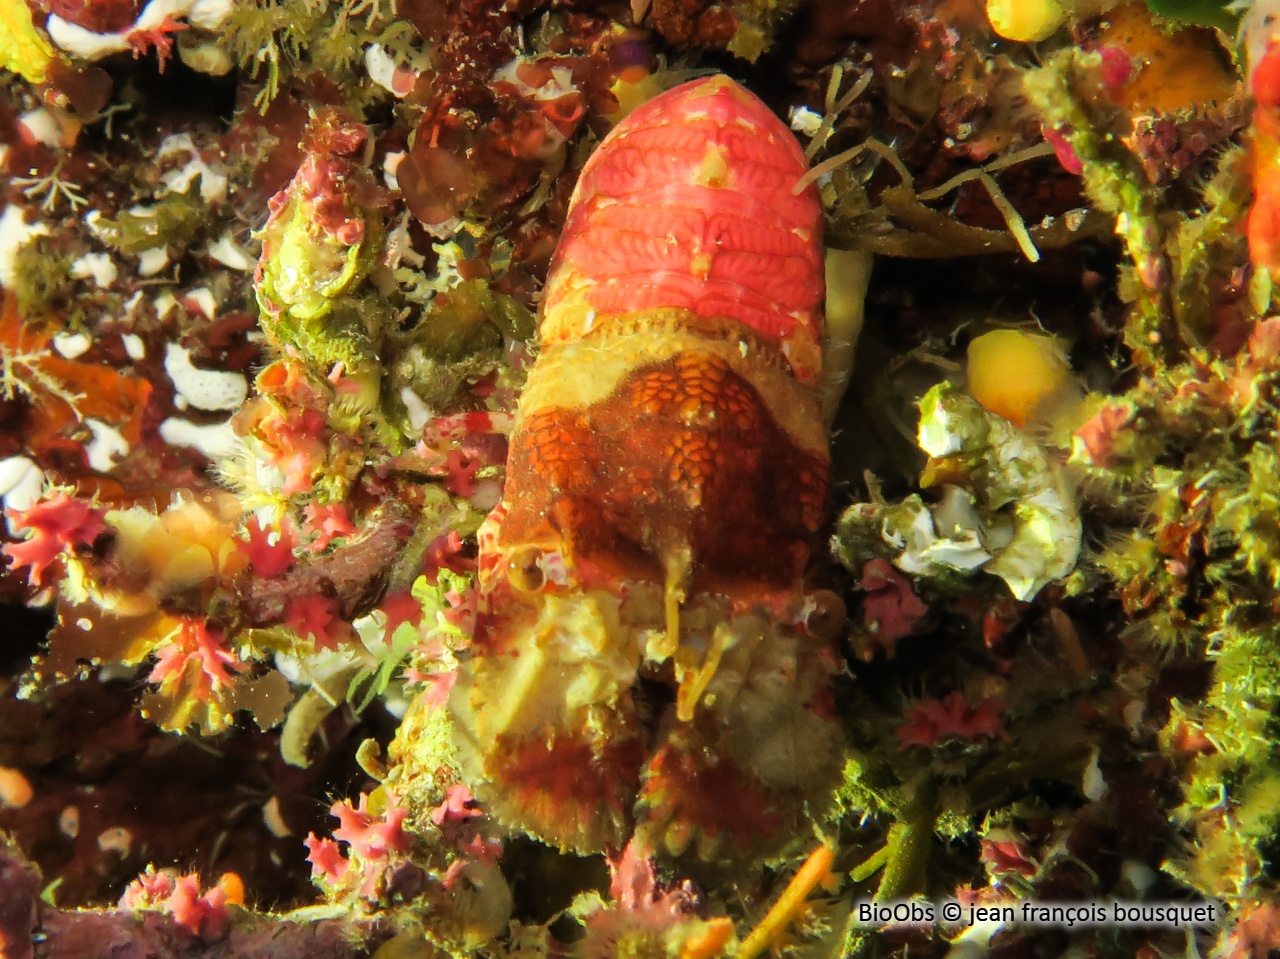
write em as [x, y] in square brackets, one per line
[750, 740]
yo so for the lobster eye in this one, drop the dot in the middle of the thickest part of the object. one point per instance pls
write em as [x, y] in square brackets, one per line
[826, 615]
[524, 570]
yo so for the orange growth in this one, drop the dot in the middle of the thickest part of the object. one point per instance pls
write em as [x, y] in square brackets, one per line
[815, 872]
[1263, 228]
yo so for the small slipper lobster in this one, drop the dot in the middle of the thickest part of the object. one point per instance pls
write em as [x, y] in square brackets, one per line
[648, 657]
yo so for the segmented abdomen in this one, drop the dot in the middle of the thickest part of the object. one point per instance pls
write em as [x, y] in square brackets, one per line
[689, 205]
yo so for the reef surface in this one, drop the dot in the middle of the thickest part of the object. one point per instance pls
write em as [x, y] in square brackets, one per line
[328, 637]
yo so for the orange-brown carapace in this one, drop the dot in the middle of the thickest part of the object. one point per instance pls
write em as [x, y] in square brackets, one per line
[649, 657]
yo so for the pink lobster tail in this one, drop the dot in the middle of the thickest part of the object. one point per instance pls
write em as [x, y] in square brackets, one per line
[688, 204]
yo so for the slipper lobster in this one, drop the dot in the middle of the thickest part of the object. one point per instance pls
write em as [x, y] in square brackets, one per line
[648, 656]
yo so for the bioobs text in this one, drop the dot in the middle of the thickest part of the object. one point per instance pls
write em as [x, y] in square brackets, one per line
[1030, 913]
